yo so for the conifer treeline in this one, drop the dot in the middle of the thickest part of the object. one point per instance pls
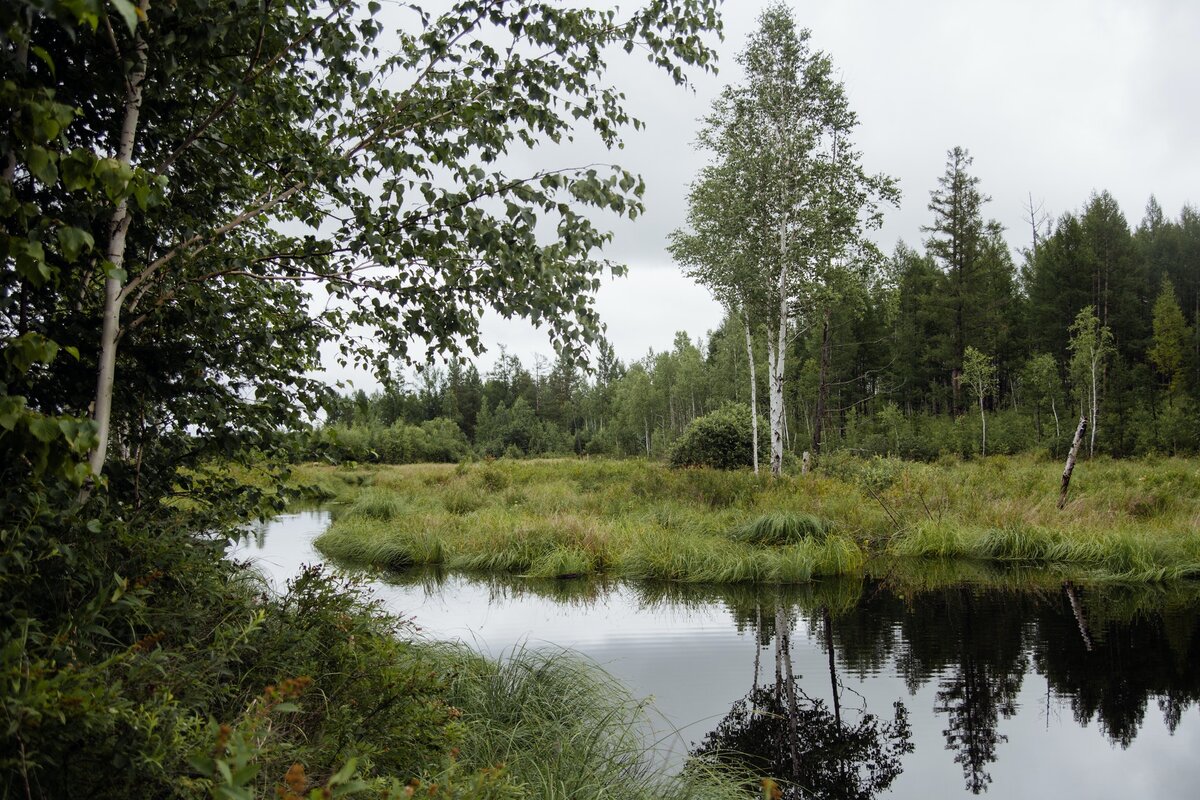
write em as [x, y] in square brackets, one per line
[895, 348]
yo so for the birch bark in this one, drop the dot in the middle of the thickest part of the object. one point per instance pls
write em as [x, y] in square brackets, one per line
[753, 391]
[115, 255]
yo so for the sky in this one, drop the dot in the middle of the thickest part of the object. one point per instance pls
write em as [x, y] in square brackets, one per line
[1054, 99]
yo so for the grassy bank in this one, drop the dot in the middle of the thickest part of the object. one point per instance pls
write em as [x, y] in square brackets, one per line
[1125, 520]
[185, 676]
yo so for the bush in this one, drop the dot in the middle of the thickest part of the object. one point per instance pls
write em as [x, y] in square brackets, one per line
[721, 440]
[437, 440]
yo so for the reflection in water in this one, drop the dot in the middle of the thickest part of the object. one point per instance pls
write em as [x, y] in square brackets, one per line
[780, 732]
[985, 677]
[1105, 655]
[1012, 684]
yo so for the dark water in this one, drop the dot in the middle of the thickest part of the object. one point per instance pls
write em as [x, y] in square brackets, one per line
[853, 688]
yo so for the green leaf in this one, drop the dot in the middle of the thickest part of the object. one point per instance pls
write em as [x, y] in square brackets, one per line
[77, 170]
[45, 58]
[74, 241]
[141, 196]
[128, 12]
[31, 262]
[243, 776]
[12, 408]
[45, 429]
[199, 762]
[29, 349]
[41, 165]
[111, 270]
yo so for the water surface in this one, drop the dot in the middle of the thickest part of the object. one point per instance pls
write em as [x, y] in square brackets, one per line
[859, 688]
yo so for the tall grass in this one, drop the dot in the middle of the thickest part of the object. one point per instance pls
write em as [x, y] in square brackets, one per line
[564, 729]
[781, 529]
[563, 518]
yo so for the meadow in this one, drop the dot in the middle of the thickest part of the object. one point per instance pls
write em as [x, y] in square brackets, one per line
[1124, 520]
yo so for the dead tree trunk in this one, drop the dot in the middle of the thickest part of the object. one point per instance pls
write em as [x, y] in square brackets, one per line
[1077, 610]
[1070, 467]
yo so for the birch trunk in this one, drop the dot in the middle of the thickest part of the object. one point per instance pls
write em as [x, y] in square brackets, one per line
[775, 361]
[1077, 611]
[1095, 403]
[983, 419]
[753, 392]
[777, 357]
[115, 254]
[1070, 466]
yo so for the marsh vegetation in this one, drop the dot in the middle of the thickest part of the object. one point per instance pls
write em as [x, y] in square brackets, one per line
[1125, 520]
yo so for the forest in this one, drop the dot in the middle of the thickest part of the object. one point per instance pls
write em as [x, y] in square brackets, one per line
[893, 346]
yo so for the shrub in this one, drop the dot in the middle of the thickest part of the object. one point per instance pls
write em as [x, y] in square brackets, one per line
[439, 440]
[721, 440]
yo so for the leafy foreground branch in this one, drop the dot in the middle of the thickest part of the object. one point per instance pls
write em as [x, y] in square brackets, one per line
[172, 672]
[1133, 521]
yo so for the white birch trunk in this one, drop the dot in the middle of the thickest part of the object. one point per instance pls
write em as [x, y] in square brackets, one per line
[983, 419]
[753, 392]
[777, 357]
[1095, 403]
[118, 231]
[1070, 465]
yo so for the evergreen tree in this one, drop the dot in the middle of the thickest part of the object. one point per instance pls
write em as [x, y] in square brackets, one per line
[978, 269]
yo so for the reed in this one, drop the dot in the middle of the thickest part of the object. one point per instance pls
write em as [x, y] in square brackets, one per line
[1133, 521]
[563, 728]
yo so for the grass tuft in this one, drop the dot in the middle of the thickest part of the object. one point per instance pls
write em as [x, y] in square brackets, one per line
[781, 528]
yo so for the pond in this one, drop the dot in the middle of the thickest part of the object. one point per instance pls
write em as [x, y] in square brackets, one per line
[856, 688]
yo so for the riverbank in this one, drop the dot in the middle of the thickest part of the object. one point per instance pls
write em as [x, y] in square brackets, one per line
[1124, 520]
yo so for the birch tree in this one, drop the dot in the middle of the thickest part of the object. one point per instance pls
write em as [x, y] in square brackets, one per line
[979, 373]
[785, 200]
[195, 167]
[1091, 346]
[722, 254]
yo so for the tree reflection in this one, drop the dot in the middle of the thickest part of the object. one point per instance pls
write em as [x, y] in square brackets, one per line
[804, 743]
[982, 687]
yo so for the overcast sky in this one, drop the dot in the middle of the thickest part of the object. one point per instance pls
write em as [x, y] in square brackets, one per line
[1054, 98]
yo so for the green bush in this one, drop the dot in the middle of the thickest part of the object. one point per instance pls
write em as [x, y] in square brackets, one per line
[721, 440]
[437, 440]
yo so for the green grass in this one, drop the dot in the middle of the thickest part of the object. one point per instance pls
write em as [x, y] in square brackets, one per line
[1124, 520]
[563, 728]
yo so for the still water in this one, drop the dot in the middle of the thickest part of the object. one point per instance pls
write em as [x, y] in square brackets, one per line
[852, 688]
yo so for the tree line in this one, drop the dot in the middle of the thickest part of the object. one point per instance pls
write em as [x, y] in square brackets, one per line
[1094, 317]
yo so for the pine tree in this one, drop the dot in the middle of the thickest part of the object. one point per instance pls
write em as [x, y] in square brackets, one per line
[978, 269]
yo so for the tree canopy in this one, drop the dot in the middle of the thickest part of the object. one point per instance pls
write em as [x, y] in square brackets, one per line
[180, 177]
